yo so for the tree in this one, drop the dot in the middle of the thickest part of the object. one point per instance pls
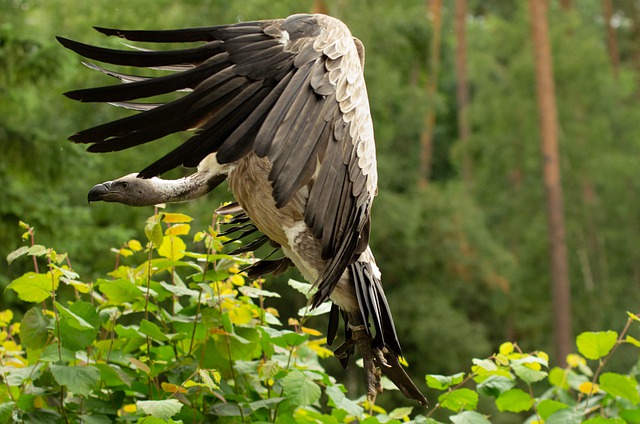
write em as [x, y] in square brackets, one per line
[548, 121]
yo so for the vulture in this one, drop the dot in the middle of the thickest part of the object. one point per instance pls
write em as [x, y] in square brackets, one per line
[279, 108]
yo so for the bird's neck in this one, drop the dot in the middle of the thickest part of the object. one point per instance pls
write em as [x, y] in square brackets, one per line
[183, 189]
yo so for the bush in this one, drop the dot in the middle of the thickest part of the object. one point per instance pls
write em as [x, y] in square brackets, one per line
[179, 334]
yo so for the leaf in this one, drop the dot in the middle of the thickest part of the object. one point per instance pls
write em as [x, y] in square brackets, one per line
[32, 287]
[459, 399]
[469, 417]
[603, 420]
[153, 231]
[595, 345]
[527, 374]
[514, 400]
[564, 416]
[73, 320]
[558, 378]
[178, 230]
[255, 292]
[162, 409]
[340, 401]
[299, 389]
[34, 329]
[284, 338]
[79, 325]
[400, 413]
[152, 330]
[119, 291]
[5, 411]
[78, 380]
[305, 288]
[175, 218]
[549, 406]
[632, 340]
[620, 385]
[494, 385]
[442, 382]
[306, 311]
[172, 247]
[21, 251]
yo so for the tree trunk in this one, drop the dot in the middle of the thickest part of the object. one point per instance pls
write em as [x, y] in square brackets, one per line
[320, 6]
[462, 89]
[612, 38]
[426, 138]
[548, 121]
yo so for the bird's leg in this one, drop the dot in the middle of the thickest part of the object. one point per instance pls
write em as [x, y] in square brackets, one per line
[373, 358]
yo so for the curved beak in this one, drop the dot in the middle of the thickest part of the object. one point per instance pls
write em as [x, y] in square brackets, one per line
[98, 192]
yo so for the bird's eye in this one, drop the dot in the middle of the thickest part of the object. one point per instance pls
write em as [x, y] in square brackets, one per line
[125, 185]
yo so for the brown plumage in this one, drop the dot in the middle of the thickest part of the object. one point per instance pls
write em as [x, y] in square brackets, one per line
[280, 108]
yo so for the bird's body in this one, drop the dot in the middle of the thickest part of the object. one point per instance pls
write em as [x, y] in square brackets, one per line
[280, 108]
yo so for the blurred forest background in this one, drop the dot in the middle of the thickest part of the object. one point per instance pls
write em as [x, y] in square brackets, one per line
[460, 223]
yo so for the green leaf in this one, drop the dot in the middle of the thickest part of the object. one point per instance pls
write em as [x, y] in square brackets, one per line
[162, 409]
[514, 400]
[400, 413]
[494, 385]
[73, 320]
[564, 416]
[32, 287]
[78, 380]
[620, 385]
[527, 374]
[340, 401]
[307, 311]
[558, 378]
[305, 288]
[595, 345]
[443, 382]
[112, 376]
[153, 231]
[5, 411]
[34, 329]
[469, 417]
[459, 399]
[284, 338]
[21, 251]
[119, 291]
[299, 389]
[79, 325]
[152, 330]
[549, 406]
[603, 420]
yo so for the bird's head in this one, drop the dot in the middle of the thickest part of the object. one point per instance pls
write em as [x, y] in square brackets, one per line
[129, 190]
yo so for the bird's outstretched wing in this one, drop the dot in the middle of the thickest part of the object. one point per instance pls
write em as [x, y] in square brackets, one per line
[291, 90]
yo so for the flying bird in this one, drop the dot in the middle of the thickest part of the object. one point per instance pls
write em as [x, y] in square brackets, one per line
[279, 108]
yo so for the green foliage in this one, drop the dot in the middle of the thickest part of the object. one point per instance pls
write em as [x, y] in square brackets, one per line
[176, 333]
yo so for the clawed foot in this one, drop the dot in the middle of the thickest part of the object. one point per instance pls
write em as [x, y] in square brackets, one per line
[372, 358]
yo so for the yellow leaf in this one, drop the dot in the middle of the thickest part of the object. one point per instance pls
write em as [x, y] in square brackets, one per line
[178, 230]
[632, 340]
[15, 328]
[134, 245]
[172, 388]
[403, 361]
[125, 252]
[293, 322]
[318, 347]
[23, 224]
[311, 331]
[130, 408]
[174, 218]
[172, 248]
[6, 317]
[237, 280]
[543, 355]
[39, 402]
[574, 360]
[240, 316]
[634, 317]
[588, 388]
[272, 311]
[233, 269]
[3, 336]
[506, 348]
